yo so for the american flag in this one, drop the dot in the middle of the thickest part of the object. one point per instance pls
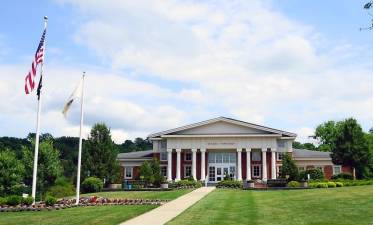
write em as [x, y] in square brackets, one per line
[39, 57]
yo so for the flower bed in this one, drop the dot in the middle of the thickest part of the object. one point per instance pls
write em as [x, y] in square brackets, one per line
[84, 201]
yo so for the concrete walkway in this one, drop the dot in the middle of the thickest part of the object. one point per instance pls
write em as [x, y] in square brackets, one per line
[170, 210]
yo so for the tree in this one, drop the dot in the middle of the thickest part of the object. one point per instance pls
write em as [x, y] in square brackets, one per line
[326, 134]
[68, 147]
[100, 154]
[288, 169]
[350, 146]
[309, 146]
[49, 166]
[11, 173]
[151, 171]
[146, 172]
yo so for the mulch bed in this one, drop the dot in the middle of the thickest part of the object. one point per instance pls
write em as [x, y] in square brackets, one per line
[84, 202]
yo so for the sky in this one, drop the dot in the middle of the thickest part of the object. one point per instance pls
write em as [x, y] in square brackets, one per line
[156, 65]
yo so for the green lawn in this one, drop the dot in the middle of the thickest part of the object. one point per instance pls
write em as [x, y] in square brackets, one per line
[164, 195]
[348, 205]
[92, 215]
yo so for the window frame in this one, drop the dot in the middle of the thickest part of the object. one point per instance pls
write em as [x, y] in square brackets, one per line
[185, 170]
[162, 167]
[185, 156]
[340, 169]
[160, 156]
[125, 172]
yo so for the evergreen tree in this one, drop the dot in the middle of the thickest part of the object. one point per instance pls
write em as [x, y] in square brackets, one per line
[288, 169]
[99, 158]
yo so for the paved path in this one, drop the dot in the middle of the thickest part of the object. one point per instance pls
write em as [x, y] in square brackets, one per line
[170, 210]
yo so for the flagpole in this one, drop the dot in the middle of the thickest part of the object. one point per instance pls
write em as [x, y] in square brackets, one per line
[36, 153]
[80, 141]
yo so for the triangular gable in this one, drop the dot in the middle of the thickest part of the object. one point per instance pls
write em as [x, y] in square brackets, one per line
[222, 125]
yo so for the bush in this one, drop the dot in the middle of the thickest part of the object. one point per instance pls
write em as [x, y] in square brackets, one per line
[27, 200]
[2, 201]
[229, 184]
[293, 184]
[345, 176]
[13, 200]
[322, 185]
[59, 191]
[50, 200]
[339, 184]
[187, 184]
[92, 184]
[331, 184]
[315, 174]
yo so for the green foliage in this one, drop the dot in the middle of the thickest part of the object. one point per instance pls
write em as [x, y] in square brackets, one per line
[339, 184]
[60, 191]
[322, 185]
[186, 184]
[50, 200]
[68, 148]
[49, 166]
[28, 200]
[308, 146]
[350, 147]
[332, 184]
[151, 172]
[11, 173]
[229, 184]
[2, 201]
[288, 168]
[293, 184]
[92, 184]
[13, 200]
[326, 134]
[138, 145]
[346, 176]
[100, 155]
[315, 174]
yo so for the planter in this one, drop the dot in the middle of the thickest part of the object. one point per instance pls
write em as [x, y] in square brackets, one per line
[248, 184]
[164, 186]
[304, 184]
[115, 186]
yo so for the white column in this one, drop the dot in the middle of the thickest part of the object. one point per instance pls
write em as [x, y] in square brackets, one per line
[203, 174]
[194, 161]
[169, 164]
[239, 164]
[178, 164]
[273, 162]
[248, 164]
[264, 164]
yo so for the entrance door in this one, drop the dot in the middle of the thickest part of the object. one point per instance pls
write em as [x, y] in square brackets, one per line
[221, 172]
[256, 171]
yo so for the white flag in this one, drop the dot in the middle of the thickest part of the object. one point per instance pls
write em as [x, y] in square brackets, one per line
[76, 94]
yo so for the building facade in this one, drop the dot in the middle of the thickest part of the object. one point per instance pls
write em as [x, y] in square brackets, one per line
[212, 149]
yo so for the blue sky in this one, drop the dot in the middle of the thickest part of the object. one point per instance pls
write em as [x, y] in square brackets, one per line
[154, 65]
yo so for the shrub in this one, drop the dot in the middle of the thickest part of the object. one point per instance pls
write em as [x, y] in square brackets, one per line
[28, 200]
[331, 184]
[339, 184]
[2, 201]
[345, 176]
[187, 184]
[293, 184]
[315, 174]
[13, 200]
[322, 185]
[92, 184]
[59, 191]
[50, 200]
[229, 184]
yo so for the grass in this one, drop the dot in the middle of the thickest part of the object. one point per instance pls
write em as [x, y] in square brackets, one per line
[164, 195]
[342, 206]
[92, 215]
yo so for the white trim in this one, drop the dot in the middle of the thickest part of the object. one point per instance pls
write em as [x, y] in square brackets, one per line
[340, 169]
[228, 120]
[260, 171]
[125, 172]
[218, 135]
[185, 166]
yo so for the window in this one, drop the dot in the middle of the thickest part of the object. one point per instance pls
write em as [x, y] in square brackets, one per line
[301, 168]
[211, 173]
[164, 171]
[279, 171]
[337, 170]
[281, 144]
[187, 171]
[188, 156]
[232, 171]
[256, 171]
[256, 156]
[163, 156]
[211, 157]
[128, 172]
[280, 155]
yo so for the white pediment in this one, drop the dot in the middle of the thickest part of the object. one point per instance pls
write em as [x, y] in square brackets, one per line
[221, 127]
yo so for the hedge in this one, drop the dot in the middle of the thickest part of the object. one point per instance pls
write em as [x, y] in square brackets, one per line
[293, 184]
[229, 184]
[345, 176]
[92, 184]
[186, 184]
